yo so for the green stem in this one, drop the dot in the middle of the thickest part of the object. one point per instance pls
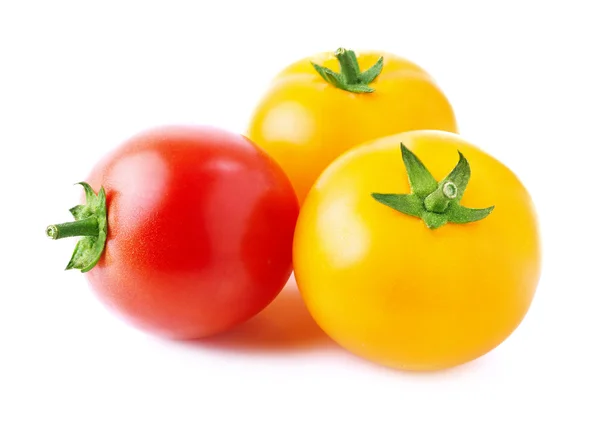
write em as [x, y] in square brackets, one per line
[87, 227]
[348, 65]
[439, 200]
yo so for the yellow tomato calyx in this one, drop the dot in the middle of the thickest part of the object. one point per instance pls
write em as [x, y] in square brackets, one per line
[350, 78]
[435, 203]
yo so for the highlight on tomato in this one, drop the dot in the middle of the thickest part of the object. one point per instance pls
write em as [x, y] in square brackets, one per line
[186, 231]
[418, 251]
[321, 106]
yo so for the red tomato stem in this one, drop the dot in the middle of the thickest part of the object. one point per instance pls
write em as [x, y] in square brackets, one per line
[87, 227]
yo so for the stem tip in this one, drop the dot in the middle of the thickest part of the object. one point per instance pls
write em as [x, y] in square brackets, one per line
[52, 232]
[450, 190]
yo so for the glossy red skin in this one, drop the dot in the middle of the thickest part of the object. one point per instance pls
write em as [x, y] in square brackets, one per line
[200, 229]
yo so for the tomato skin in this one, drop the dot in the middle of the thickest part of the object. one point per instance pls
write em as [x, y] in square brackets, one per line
[393, 291]
[200, 229]
[305, 123]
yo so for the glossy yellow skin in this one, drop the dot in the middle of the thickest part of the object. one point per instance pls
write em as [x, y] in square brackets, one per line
[393, 291]
[305, 123]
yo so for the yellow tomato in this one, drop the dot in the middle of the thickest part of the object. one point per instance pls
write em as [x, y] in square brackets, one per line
[434, 284]
[310, 115]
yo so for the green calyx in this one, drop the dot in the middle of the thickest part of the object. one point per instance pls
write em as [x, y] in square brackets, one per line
[350, 78]
[435, 203]
[91, 224]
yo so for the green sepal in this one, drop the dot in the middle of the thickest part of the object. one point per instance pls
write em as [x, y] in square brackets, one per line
[359, 88]
[458, 214]
[434, 220]
[77, 211]
[408, 204]
[435, 203]
[329, 75]
[421, 182]
[89, 249]
[372, 72]
[460, 176]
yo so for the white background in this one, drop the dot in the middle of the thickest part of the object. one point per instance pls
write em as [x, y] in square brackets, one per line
[77, 78]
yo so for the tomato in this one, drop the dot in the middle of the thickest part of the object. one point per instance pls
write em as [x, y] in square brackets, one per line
[310, 114]
[200, 228]
[418, 272]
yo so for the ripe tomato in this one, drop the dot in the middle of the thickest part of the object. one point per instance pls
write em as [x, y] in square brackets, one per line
[200, 228]
[417, 281]
[310, 115]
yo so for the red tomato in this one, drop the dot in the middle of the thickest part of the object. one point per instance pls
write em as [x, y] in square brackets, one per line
[200, 229]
